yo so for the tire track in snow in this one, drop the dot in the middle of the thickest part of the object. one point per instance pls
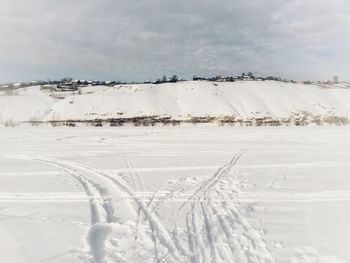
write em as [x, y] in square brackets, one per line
[102, 222]
[100, 205]
[162, 235]
[135, 174]
[212, 224]
[199, 245]
[250, 242]
[157, 198]
[199, 225]
[202, 190]
[139, 185]
[101, 209]
[236, 253]
[208, 229]
[216, 220]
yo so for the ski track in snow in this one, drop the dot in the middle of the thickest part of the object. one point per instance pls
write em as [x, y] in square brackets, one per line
[213, 230]
[100, 228]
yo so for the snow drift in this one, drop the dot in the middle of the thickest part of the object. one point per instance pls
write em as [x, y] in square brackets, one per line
[245, 103]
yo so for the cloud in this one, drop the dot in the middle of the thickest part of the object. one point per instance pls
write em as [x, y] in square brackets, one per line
[137, 40]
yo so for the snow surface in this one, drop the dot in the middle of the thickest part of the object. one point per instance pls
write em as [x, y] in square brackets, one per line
[175, 194]
[243, 100]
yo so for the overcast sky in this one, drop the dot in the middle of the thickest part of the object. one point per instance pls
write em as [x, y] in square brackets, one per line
[144, 39]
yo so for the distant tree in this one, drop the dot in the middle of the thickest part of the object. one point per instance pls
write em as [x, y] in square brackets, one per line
[66, 79]
[164, 79]
[158, 81]
[174, 78]
[250, 74]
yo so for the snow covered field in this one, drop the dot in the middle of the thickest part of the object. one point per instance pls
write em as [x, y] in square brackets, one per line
[175, 194]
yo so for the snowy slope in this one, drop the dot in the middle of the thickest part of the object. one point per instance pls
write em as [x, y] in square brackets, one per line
[239, 100]
[30, 104]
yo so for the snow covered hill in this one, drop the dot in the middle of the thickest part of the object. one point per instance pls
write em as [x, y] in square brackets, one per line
[246, 103]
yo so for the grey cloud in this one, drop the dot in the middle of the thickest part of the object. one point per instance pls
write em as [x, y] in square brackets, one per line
[135, 40]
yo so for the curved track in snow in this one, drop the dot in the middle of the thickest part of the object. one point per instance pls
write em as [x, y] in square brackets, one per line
[213, 228]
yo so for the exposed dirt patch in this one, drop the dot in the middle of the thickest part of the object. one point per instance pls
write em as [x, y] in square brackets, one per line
[296, 119]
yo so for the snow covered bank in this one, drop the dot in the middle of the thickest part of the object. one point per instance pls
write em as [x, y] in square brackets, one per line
[243, 103]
